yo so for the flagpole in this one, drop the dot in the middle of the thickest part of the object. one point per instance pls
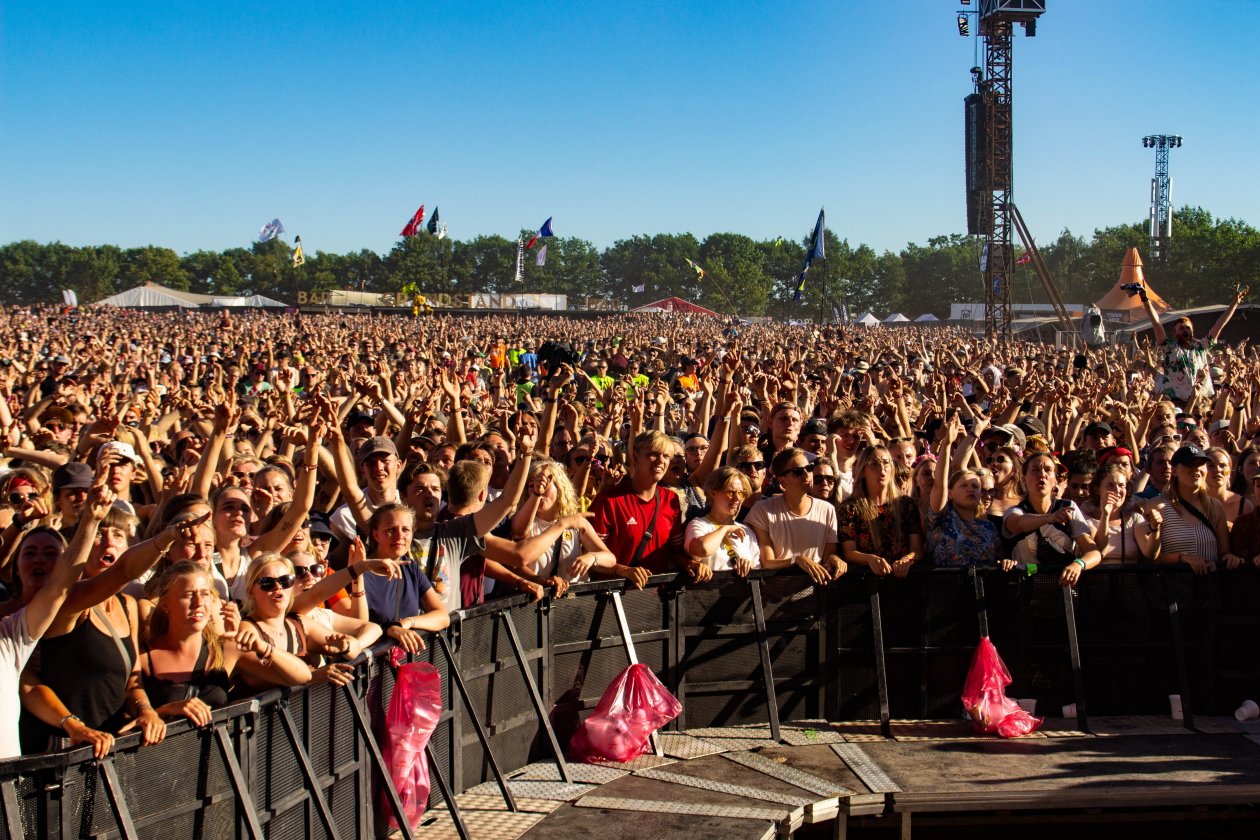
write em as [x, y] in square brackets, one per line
[722, 289]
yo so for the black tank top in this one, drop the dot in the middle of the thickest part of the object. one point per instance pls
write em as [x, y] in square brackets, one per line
[87, 673]
[211, 687]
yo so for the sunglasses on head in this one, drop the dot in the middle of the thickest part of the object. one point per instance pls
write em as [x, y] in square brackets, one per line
[799, 472]
[19, 498]
[314, 570]
[750, 466]
[269, 584]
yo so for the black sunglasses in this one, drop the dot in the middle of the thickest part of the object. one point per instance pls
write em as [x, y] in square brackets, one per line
[799, 472]
[19, 498]
[750, 466]
[269, 584]
[824, 479]
[314, 570]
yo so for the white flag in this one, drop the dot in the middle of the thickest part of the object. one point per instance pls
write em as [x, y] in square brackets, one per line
[441, 234]
[69, 298]
[541, 259]
[638, 289]
[270, 230]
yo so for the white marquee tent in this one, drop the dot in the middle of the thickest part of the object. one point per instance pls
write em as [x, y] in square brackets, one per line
[152, 295]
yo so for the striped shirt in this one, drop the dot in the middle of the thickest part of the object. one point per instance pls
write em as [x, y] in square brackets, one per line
[1186, 534]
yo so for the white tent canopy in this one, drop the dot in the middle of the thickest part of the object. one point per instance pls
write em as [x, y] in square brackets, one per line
[926, 318]
[154, 295]
[896, 318]
[867, 320]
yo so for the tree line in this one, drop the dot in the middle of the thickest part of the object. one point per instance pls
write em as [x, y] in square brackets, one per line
[742, 275]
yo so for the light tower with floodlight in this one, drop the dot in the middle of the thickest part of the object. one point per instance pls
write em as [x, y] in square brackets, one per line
[1161, 195]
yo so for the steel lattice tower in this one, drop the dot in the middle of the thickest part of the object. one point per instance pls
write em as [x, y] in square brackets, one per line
[1160, 228]
[997, 20]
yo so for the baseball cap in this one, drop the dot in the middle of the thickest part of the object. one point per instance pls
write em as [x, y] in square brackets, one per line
[75, 475]
[1189, 456]
[1098, 428]
[377, 446]
[123, 449]
[817, 426]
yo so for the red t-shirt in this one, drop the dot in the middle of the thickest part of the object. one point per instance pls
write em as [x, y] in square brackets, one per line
[620, 518]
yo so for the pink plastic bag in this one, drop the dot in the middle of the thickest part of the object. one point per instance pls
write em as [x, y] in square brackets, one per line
[984, 696]
[634, 706]
[413, 714]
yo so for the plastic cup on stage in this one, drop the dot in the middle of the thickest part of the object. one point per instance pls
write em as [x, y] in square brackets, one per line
[1069, 711]
[1248, 710]
[1028, 704]
[1174, 703]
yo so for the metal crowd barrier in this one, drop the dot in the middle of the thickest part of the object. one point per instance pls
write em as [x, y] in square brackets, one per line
[517, 678]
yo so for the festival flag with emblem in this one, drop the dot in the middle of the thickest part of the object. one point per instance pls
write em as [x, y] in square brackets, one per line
[1024, 259]
[697, 269]
[413, 227]
[543, 233]
[639, 289]
[433, 222]
[270, 231]
[298, 257]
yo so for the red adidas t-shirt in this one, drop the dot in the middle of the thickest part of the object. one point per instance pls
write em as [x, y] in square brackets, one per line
[620, 518]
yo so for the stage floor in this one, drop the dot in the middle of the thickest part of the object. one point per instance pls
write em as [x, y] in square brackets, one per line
[737, 783]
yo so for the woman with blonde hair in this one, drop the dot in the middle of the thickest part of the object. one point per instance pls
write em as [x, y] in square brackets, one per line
[1218, 474]
[555, 539]
[1191, 524]
[716, 538]
[879, 528]
[196, 643]
[1121, 531]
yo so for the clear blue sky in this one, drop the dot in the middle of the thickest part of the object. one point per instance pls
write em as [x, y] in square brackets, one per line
[189, 125]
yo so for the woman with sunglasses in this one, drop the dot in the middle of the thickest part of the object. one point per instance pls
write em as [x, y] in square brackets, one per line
[268, 609]
[28, 503]
[309, 573]
[1048, 530]
[196, 645]
[879, 528]
[794, 528]
[958, 532]
[716, 538]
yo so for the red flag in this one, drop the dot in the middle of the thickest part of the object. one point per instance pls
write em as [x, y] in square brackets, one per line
[1025, 259]
[413, 227]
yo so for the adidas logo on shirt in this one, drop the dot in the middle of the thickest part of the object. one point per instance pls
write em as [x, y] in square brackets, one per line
[632, 521]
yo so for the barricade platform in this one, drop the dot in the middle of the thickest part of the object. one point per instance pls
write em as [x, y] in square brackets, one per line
[803, 707]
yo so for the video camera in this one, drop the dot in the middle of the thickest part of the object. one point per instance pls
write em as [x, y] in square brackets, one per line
[1132, 288]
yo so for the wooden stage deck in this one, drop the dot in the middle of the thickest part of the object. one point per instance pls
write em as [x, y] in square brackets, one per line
[736, 783]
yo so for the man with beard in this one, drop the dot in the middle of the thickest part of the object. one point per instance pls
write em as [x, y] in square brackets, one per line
[1186, 357]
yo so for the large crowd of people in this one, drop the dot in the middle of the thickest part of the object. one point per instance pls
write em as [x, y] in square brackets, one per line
[199, 506]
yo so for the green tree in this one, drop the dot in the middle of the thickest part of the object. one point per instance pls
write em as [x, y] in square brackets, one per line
[656, 263]
[151, 264]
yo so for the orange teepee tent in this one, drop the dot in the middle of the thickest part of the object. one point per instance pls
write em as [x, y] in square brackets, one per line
[1130, 306]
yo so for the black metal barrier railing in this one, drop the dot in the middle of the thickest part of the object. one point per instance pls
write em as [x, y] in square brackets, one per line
[517, 678]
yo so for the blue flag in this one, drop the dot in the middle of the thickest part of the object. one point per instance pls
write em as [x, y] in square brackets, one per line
[800, 286]
[818, 245]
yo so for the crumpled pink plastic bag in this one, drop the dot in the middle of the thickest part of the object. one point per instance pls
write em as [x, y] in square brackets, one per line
[413, 714]
[634, 705]
[984, 696]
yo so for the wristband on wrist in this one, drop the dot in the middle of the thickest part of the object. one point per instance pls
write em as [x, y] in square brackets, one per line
[71, 716]
[1079, 562]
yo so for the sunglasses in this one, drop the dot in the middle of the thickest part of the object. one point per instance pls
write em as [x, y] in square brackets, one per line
[269, 584]
[799, 472]
[750, 466]
[315, 570]
[751, 430]
[824, 479]
[581, 459]
[19, 498]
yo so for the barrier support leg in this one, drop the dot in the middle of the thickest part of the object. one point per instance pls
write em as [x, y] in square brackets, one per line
[1074, 652]
[117, 799]
[763, 650]
[12, 810]
[239, 786]
[982, 604]
[623, 626]
[447, 794]
[308, 770]
[545, 722]
[1179, 651]
[881, 673]
[453, 672]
